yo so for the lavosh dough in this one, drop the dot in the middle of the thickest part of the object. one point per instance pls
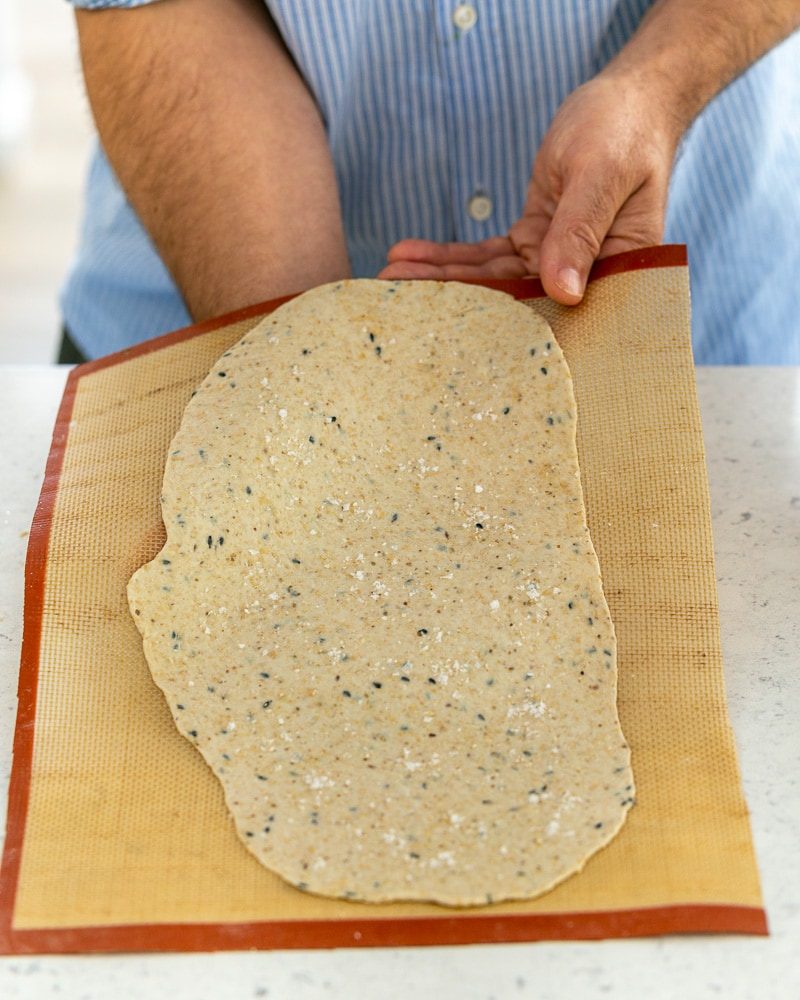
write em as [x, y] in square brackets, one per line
[378, 614]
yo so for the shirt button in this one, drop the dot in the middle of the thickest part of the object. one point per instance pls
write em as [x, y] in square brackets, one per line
[465, 16]
[480, 207]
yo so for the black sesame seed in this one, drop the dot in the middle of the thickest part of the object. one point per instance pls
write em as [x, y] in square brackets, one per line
[377, 684]
[422, 631]
[543, 370]
[372, 337]
[431, 680]
[394, 518]
[222, 374]
[506, 409]
[478, 524]
[597, 826]
[311, 439]
[347, 694]
[193, 732]
[404, 678]
[266, 704]
[264, 674]
[210, 541]
[248, 489]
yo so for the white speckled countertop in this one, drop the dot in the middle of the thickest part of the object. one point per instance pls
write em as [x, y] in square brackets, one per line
[751, 421]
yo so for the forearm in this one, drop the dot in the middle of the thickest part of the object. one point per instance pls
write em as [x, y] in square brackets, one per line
[219, 147]
[685, 51]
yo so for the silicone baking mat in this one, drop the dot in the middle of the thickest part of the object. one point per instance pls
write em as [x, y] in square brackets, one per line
[118, 838]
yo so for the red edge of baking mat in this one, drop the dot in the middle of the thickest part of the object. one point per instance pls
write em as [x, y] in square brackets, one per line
[463, 929]
[391, 931]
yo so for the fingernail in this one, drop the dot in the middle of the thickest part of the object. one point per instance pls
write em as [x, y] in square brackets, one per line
[569, 279]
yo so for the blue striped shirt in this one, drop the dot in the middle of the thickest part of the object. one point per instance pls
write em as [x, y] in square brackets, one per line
[430, 104]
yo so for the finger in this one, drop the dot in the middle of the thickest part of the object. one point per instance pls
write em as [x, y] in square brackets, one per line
[510, 266]
[526, 237]
[403, 270]
[639, 223]
[431, 252]
[573, 240]
[529, 230]
[619, 244]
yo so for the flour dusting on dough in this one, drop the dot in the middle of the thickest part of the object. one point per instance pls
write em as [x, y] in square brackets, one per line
[378, 614]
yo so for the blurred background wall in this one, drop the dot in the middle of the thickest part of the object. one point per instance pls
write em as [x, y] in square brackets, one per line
[45, 130]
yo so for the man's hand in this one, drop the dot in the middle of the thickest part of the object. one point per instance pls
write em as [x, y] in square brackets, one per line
[600, 178]
[492, 258]
[599, 186]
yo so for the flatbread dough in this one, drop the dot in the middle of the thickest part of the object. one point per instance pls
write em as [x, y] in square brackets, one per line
[378, 614]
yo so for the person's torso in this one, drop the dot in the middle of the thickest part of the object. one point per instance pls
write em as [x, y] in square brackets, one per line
[434, 112]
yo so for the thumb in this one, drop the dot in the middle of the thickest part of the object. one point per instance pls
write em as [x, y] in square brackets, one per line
[580, 223]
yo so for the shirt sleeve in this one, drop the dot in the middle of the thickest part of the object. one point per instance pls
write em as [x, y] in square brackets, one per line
[100, 4]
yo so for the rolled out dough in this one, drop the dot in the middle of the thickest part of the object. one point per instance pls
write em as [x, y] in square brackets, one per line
[378, 614]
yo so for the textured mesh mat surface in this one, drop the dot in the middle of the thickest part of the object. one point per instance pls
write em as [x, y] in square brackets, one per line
[118, 837]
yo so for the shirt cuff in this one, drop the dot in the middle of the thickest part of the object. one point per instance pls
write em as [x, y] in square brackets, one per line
[100, 4]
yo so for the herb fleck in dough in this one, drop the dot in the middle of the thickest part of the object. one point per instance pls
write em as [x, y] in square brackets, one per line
[378, 614]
